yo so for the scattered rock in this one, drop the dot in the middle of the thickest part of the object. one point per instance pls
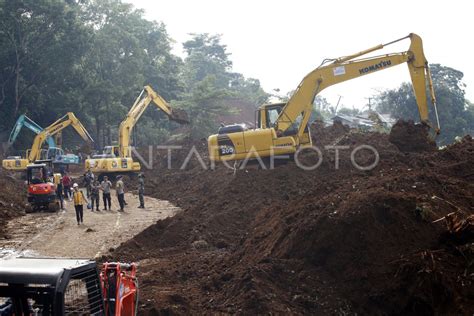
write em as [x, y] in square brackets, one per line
[200, 245]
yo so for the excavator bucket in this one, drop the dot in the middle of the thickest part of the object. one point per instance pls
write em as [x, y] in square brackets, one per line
[179, 116]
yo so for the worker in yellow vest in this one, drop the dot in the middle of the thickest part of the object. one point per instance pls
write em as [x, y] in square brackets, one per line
[79, 201]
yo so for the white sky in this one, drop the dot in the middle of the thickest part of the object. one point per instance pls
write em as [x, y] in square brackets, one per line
[279, 42]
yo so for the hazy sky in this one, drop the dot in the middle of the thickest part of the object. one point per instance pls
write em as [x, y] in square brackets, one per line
[279, 42]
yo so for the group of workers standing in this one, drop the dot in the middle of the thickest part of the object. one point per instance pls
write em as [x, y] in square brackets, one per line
[93, 189]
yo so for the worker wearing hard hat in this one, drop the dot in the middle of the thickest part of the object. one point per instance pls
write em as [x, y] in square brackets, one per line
[79, 200]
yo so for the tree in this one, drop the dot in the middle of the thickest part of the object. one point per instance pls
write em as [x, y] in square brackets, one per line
[127, 53]
[93, 57]
[40, 42]
[210, 83]
[248, 89]
[204, 104]
[454, 114]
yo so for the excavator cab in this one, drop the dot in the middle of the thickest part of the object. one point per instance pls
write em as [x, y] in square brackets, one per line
[108, 152]
[267, 117]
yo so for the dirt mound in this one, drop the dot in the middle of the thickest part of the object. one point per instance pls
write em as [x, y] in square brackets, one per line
[12, 198]
[327, 135]
[411, 137]
[334, 240]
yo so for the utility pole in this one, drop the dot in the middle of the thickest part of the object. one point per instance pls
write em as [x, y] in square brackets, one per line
[337, 105]
[369, 105]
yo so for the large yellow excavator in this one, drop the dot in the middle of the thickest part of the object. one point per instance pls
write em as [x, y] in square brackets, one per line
[282, 128]
[34, 154]
[118, 159]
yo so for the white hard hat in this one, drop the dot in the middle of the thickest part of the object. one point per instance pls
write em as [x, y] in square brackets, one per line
[75, 185]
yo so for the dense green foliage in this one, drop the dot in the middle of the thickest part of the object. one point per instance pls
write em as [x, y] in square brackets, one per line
[93, 57]
[456, 114]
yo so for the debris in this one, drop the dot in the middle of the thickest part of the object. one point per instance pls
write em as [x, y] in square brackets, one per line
[461, 230]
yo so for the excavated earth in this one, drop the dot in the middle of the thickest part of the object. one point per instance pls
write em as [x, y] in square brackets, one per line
[12, 199]
[326, 241]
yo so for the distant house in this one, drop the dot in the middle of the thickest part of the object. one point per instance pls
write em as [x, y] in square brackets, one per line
[368, 120]
[387, 120]
[354, 121]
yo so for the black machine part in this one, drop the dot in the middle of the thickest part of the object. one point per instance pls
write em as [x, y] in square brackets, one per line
[45, 280]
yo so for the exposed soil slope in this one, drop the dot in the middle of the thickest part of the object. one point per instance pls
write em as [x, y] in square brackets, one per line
[331, 240]
[12, 199]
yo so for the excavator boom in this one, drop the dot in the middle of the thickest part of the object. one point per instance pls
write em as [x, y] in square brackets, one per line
[147, 96]
[348, 67]
[24, 120]
[55, 128]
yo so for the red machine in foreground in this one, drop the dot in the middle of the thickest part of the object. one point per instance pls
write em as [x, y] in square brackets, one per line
[50, 286]
[119, 288]
[42, 186]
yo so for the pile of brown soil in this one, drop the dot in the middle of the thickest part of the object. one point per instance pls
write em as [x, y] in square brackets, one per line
[12, 199]
[333, 240]
[409, 137]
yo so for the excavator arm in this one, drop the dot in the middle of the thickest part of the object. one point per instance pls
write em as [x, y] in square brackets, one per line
[147, 96]
[347, 68]
[55, 128]
[24, 120]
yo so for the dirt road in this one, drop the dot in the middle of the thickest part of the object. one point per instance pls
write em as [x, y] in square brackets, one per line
[57, 234]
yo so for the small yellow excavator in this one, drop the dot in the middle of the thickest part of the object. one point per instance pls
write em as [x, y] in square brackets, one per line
[282, 128]
[34, 154]
[118, 159]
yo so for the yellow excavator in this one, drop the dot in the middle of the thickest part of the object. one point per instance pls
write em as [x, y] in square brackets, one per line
[35, 153]
[118, 159]
[282, 128]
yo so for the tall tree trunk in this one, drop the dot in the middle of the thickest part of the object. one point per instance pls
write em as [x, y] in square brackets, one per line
[17, 85]
[97, 133]
[107, 110]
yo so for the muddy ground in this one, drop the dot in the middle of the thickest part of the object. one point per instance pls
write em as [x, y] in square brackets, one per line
[327, 241]
[58, 235]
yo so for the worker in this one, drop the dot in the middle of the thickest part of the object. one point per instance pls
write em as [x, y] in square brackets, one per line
[79, 200]
[141, 190]
[95, 189]
[120, 188]
[67, 186]
[106, 185]
[59, 192]
[88, 180]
